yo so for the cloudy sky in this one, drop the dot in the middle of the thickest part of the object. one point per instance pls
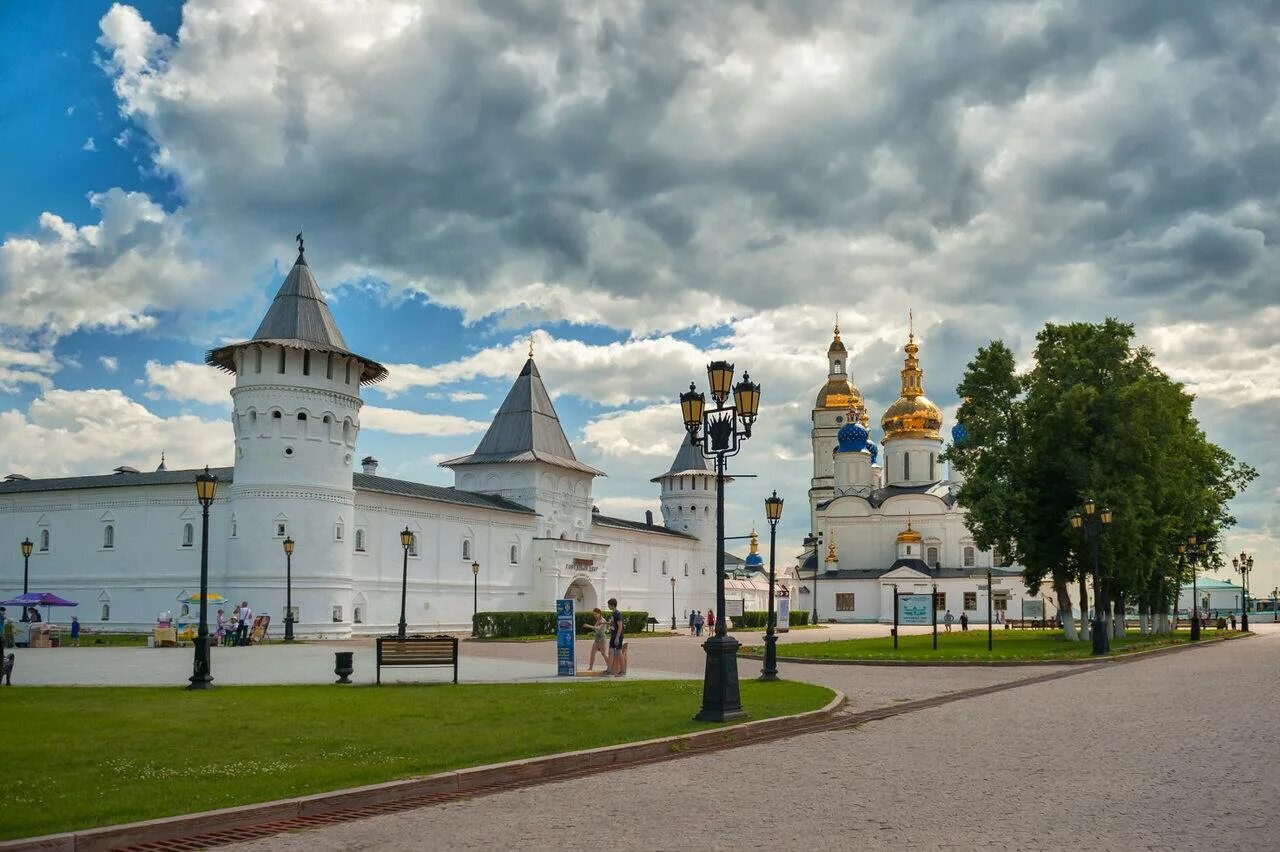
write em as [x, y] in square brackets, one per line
[641, 186]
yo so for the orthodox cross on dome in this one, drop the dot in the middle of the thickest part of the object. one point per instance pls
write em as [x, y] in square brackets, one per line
[911, 324]
[837, 329]
[301, 247]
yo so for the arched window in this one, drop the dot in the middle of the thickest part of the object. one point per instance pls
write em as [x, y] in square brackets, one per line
[257, 360]
[664, 566]
[932, 462]
[339, 531]
[357, 612]
[276, 415]
[906, 466]
[837, 368]
[282, 356]
[306, 362]
[302, 416]
[686, 569]
[347, 379]
[108, 536]
[635, 565]
[44, 539]
[328, 374]
[413, 546]
[515, 554]
[968, 557]
[188, 535]
[360, 541]
[466, 548]
[106, 612]
[234, 527]
[932, 557]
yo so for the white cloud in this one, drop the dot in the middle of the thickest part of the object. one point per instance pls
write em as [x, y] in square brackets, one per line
[22, 367]
[186, 381]
[89, 145]
[401, 422]
[65, 432]
[108, 363]
[466, 396]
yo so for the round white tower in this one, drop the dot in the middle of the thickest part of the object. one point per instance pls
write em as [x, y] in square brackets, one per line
[296, 414]
[688, 496]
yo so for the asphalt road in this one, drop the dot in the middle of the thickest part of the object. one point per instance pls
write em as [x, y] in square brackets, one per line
[1178, 751]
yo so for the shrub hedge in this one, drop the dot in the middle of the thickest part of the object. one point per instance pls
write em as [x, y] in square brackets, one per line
[507, 625]
[758, 619]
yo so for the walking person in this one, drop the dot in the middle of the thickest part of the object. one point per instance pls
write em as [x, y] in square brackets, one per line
[711, 621]
[947, 621]
[75, 631]
[964, 622]
[698, 621]
[599, 643]
[617, 667]
[245, 616]
[220, 633]
[693, 622]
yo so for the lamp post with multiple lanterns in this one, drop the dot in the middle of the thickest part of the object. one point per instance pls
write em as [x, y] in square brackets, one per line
[1244, 564]
[201, 672]
[1194, 551]
[720, 432]
[288, 589]
[475, 594]
[1091, 521]
[773, 514]
[406, 541]
[26, 570]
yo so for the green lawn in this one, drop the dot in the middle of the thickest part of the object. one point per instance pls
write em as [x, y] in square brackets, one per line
[972, 645]
[82, 757]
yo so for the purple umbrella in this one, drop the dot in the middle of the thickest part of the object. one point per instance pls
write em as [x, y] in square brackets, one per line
[44, 599]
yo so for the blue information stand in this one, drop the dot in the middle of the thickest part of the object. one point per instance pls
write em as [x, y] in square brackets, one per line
[565, 664]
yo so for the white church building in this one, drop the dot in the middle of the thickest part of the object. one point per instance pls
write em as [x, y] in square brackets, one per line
[126, 545]
[885, 515]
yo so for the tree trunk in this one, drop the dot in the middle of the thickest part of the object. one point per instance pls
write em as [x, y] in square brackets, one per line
[1144, 619]
[1065, 618]
[1117, 619]
[1085, 629]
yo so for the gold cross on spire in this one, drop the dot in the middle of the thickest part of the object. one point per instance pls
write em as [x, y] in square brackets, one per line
[911, 324]
[837, 323]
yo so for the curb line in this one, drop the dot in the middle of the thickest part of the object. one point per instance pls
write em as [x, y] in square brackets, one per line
[546, 767]
[1074, 661]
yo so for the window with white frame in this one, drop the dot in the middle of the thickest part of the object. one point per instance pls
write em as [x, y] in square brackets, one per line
[664, 567]
[357, 613]
[188, 535]
[106, 612]
[359, 541]
[466, 548]
[282, 529]
[44, 539]
[515, 554]
[339, 531]
[686, 569]
[969, 556]
[413, 545]
[932, 556]
[635, 565]
[844, 602]
[108, 537]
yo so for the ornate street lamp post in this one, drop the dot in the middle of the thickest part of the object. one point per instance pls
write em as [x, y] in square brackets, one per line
[773, 514]
[1244, 564]
[288, 589]
[201, 672]
[406, 541]
[26, 570]
[1091, 522]
[673, 604]
[475, 595]
[1195, 552]
[720, 432]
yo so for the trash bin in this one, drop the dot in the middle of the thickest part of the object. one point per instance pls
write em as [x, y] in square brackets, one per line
[343, 665]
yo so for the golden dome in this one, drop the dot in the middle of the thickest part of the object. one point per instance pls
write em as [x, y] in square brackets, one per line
[831, 549]
[909, 535]
[913, 415]
[839, 394]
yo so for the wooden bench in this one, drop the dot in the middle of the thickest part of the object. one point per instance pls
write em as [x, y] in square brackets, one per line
[418, 651]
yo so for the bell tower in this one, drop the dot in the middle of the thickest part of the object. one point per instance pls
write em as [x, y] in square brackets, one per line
[839, 402]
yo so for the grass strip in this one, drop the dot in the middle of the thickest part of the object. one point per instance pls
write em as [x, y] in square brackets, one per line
[971, 645]
[84, 757]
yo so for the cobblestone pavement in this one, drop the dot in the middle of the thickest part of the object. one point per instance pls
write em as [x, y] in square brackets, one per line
[1169, 752]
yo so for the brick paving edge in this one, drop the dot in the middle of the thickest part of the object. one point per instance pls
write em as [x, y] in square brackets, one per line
[938, 664]
[460, 780]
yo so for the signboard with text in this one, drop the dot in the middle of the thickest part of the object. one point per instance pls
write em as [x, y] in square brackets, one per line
[734, 607]
[565, 663]
[1033, 609]
[915, 609]
[784, 614]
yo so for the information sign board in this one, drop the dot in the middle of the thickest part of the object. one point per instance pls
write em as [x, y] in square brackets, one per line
[784, 614]
[1032, 609]
[915, 609]
[734, 607]
[565, 663]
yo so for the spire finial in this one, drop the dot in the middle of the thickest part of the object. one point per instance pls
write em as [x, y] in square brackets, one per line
[530, 344]
[837, 324]
[301, 248]
[911, 324]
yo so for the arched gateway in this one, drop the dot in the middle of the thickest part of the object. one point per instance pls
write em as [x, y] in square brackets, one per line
[583, 595]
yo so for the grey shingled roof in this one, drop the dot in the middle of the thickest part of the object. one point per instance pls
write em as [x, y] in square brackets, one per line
[622, 523]
[115, 480]
[689, 461]
[526, 428]
[386, 485]
[298, 318]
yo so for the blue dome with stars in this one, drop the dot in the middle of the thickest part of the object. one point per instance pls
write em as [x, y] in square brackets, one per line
[852, 438]
[959, 433]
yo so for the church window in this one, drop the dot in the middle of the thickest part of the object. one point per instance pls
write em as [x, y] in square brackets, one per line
[844, 602]
[234, 527]
[413, 546]
[682, 483]
[686, 569]
[932, 557]
[837, 368]
[257, 360]
[328, 374]
[106, 612]
[347, 379]
[968, 557]
[357, 614]
[939, 601]
[906, 466]
[282, 357]
[280, 529]
[970, 600]
[932, 463]
[306, 363]
[188, 535]
[108, 537]
[704, 571]
[515, 554]
[359, 541]
[466, 548]
[276, 415]
[635, 565]
[302, 416]
[337, 615]
[908, 550]
[664, 567]
[339, 531]
[44, 539]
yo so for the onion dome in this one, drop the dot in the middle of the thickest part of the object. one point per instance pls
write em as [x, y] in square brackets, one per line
[839, 392]
[852, 438]
[959, 434]
[909, 536]
[913, 415]
[754, 560]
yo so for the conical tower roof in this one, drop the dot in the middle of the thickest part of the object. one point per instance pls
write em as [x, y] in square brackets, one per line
[298, 318]
[526, 428]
